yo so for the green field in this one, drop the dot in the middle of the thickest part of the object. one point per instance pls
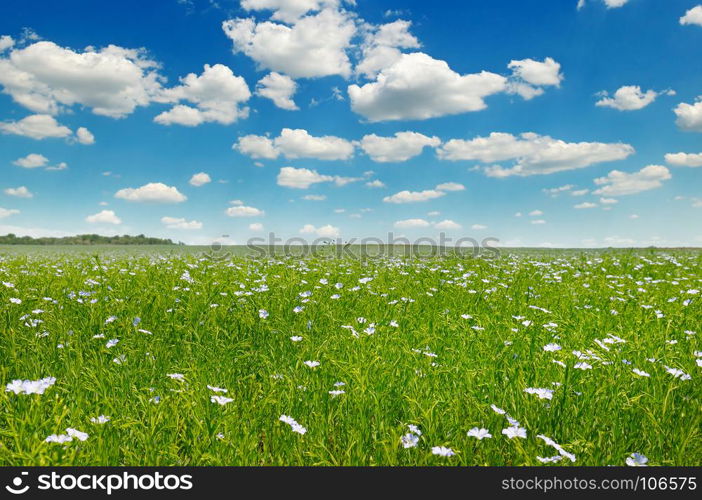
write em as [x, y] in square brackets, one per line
[550, 338]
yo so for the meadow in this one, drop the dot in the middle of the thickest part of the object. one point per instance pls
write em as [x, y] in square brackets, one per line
[179, 357]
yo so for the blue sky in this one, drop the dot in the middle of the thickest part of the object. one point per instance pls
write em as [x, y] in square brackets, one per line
[539, 123]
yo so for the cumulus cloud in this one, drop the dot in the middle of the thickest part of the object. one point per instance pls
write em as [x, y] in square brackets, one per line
[618, 183]
[37, 127]
[303, 178]
[414, 196]
[48, 79]
[279, 89]
[6, 42]
[154, 192]
[200, 179]
[529, 76]
[689, 116]
[314, 46]
[217, 93]
[585, 204]
[401, 147]
[447, 224]
[684, 159]
[533, 154]
[627, 98]
[104, 217]
[256, 226]
[6, 212]
[32, 160]
[554, 192]
[375, 184]
[411, 223]
[180, 223]
[244, 211]
[19, 192]
[692, 16]
[327, 231]
[314, 197]
[417, 86]
[84, 136]
[294, 144]
[381, 47]
[478, 227]
[288, 11]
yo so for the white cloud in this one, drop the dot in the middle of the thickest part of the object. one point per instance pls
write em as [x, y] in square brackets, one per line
[533, 154]
[104, 217]
[375, 184]
[279, 89]
[314, 197]
[529, 76]
[32, 160]
[401, 147]
[314, 46]
[558, 190]
[36, 127]
[244, 211]
[628, 98]
[684, 159]
[302, 178]
[84, 136]
[538, 221]
[689, 115]
[634, 216]
[447, 224]
[19, 192]
[295, 144]
[580, 192]
[692, 16]
[200, 179]
[217, 93]
[611, 4]
[288, 11]
[417, 86]
[180, 223]
[6, 212]
[256, 226]
[450, 186]
[584, 205]
[381, 45]
[154, 192]
[414, 196]
[6, 42]
[410, 223]
[298, 143]
[327, 231]
[478, 227]
[618, 183]
[609, 201]
[256, 146]
[535, 213]
[112, 81]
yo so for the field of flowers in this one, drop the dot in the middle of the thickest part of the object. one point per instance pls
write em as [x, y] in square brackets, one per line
[181, 359]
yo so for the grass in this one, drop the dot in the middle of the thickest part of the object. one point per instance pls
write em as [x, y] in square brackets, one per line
[436, 370]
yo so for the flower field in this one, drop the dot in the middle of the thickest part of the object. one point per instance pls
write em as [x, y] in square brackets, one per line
[585, 358]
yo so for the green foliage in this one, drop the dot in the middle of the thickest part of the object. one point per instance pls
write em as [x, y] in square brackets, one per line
[84, 239]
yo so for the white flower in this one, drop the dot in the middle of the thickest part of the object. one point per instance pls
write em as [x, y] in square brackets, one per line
[312, 364]
[442, 451]
[110, 320]
[640, 373]
[293, 424]
[497, 410]
[337, 393]
[542, 393]
[298, 309]
[176, 376]
[102, 419]
[557, 446]
[221, 400]
[262, 313]
[547, 460]
[58, 438]
[582, 366]
[409, 440]
[677, 373]
[112, 343]
[15, 301]
[75, 433]
[296, 338]
[636, 460]
[552, 347]
[30, 386]
[515, 431]
[216, 389]
[479, 433]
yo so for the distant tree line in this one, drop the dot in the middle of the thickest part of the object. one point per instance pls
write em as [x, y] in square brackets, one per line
[85, 239]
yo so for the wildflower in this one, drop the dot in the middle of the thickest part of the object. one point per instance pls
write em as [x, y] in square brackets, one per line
[414, 429]
[102, 419]
[442, 451]
[497, 410]
[409, 440]
[479, 433]
[337, 393]
[312, 364]
[120, 359]
[640, 373]
[15, 301]
[111, 343]
[552, 347]
[75, 433]
[675, 372]
[58, 438]
[176, 376]
[110, 320]
[30, 386]
[557, 446]
[222, 400]
[636, 460]
[582, 366]
[296, 338]
[298, 309]
[216, 389]
[515, 431]
[394, 324]
[262, 313]
[542, 393]
[546, 460]
[293, 424]
[559, 363]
